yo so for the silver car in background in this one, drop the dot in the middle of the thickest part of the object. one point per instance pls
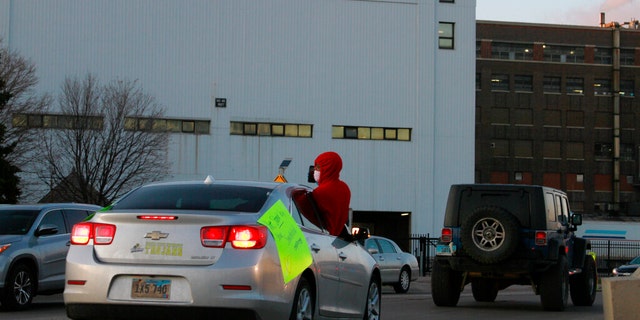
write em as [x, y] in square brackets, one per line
[181, 250]
[34, 240]
[397, 268]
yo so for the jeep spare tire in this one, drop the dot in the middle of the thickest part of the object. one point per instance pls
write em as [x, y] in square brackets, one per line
[489, 235]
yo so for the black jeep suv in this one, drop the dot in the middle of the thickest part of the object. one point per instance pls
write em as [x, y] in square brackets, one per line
[495, 236]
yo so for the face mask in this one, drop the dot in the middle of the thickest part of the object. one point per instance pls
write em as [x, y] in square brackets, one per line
[316, 175]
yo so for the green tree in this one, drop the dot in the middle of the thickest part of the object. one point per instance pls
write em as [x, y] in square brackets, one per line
[9, 180]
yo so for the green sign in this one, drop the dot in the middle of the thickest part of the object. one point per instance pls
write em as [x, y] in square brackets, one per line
[293, 250]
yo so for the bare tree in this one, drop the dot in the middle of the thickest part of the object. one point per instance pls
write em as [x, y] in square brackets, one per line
[103, 147]
[18, 75]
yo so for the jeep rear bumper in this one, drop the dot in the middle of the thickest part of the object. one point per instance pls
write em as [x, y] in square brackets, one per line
[509, 268]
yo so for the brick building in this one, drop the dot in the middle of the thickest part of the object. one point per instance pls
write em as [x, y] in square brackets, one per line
[557, 105]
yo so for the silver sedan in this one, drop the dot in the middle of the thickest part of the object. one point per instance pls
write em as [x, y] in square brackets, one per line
[217, 250]
[398, 268]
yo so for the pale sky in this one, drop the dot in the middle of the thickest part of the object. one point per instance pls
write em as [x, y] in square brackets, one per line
[572, 12]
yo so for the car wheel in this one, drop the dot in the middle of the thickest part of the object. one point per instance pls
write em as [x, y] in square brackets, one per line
[584, 284]
[19, 289]
[489, 234]
[303, 301]
[484, 290]
[404, 281]
[446, 285]
[554, 287]
[374, 301]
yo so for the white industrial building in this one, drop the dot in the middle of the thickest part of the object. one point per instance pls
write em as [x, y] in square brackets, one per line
[263, 81]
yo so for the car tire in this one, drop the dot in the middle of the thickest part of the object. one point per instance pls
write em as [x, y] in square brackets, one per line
[489, 235]
[373, 306]
[484, 290]
[554, 286]
[404, 281]
[446, 285]
[19, 289]
[584, 284]
[303, 302]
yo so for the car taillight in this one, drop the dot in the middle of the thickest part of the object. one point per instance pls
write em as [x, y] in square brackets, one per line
[447, 235]
[100, 233]
[541, 238]
[241, 237]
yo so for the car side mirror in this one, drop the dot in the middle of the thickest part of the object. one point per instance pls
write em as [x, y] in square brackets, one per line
[46, 230]
[372, 250]
[576, 219]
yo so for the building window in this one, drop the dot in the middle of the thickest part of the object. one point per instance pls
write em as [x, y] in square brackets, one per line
[575, 150]
[603, 151]
[602, 87]
[523, 149]
[447, 1]
[603, 56]
[558, 53]
[627, 57]
[627, 152]
[167, 125]
[551, 84]
[552, 150]
[500, 82]
[446, 35]
[57, 121]
[575, 86]
[627, 88]
[271, 129]
[511, 51]
[523, 83]
[370, 133]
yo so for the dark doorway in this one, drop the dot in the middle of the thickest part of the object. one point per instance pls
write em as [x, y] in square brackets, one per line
[389, 224]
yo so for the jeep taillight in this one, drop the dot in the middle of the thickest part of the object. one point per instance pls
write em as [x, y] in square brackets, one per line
[447, 235]
[541, 238]
[100, 233]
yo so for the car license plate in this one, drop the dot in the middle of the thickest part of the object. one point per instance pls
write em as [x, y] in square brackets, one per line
[445, 250]
[150, 288]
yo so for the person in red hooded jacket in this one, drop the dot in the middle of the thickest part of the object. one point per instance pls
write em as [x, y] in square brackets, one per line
[332, 196]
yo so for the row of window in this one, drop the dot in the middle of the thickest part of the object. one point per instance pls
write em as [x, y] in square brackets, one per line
[555, 53]
[59, 121]
[554, 84]
[554, 150]
[306, 131]
[573, 181]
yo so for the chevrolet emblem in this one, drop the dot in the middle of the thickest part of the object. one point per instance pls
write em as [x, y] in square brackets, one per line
[156, 235]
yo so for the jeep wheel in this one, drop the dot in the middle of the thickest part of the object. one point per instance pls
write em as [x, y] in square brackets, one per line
[484, 290]
[446, 285]
[584, 284]
[489, 234]
[554, 287]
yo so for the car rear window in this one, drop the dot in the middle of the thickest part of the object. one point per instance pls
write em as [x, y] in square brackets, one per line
[16, 221]
[195, 197]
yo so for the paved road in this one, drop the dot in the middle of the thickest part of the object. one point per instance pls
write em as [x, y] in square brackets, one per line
[517, 302]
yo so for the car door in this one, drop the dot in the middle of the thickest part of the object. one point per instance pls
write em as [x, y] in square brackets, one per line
[353, 260]
[389, 261]
[325, 256]
[53, 250]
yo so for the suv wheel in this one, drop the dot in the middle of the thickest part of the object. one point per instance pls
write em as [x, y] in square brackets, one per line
[584, 284]
[489, 234]
[446, 285]
[554, 287]
[20, 288]
[484, 290]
